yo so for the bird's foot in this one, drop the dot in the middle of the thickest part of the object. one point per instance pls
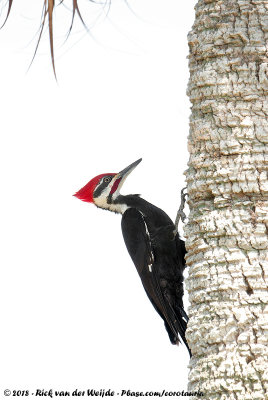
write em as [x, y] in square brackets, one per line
[181, 214]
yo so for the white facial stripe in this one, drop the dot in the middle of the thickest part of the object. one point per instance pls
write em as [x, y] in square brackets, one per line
[101, 201]
[117, 192]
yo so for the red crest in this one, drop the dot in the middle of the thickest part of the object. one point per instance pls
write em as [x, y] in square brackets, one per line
[86, 193]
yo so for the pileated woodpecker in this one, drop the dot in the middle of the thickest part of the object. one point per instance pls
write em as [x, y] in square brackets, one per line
[153, 244]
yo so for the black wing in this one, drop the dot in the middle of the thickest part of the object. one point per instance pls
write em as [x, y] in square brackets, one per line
[156, 254]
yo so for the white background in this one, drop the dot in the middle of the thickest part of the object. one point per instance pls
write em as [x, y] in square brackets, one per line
[73, 311]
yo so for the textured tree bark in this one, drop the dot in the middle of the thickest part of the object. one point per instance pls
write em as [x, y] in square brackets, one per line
[227, 182]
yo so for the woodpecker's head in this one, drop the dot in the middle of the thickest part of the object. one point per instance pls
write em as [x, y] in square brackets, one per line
[104, 189]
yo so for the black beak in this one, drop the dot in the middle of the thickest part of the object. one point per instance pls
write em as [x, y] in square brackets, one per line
[126, 171]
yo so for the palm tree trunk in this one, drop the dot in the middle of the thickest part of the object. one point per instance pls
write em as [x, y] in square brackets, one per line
[228, 186]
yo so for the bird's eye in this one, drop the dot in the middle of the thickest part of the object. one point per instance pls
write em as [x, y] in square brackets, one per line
[107, 179]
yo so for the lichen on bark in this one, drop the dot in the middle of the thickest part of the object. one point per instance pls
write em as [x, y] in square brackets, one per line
[227, 232]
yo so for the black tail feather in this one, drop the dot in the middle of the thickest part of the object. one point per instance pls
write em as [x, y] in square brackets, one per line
[181, 323]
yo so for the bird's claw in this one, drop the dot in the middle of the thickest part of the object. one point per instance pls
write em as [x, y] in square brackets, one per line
[181, 214]
[183, 195]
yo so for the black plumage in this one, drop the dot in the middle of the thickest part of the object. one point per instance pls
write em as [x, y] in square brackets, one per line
[158, 254]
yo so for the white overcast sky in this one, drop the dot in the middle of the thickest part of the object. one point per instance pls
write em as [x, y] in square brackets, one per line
[74, 313]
